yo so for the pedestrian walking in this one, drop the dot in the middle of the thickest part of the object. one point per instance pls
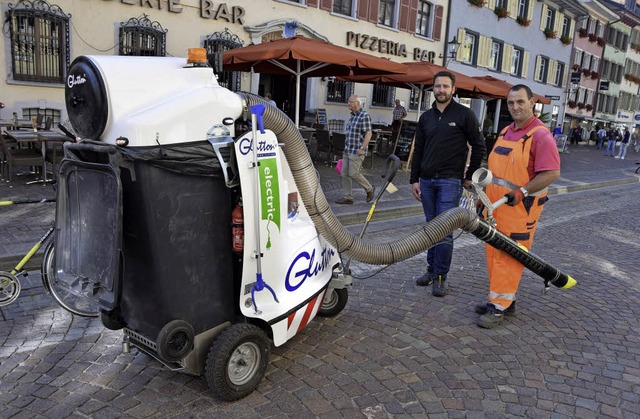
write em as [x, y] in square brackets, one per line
[611, 142]
[623, 144]
[636, 139]
[524, 162]
[443, 137]
[358, 133]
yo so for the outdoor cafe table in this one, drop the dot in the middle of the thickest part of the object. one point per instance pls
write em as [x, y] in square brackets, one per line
[21, 123]
[29, 135]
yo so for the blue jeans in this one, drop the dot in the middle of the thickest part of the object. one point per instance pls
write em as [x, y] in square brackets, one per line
[439, 195]
[611, 148]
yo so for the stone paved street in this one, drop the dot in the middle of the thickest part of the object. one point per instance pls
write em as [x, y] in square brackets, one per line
[395, 351]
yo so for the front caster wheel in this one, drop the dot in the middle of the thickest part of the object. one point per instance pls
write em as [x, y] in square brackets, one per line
[334, 302]
[237, 361]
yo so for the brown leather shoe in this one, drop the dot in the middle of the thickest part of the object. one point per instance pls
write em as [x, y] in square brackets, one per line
[342, 201]
[370, 193]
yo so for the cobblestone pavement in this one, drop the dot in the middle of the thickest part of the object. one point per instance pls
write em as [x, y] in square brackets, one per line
[395, 351]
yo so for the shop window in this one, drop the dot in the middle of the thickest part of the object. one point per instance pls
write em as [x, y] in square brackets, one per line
[39, 34]
[424, 25]
[384, 96]
[142, 37]
[387, 13]
[338, 91]
[217, 43]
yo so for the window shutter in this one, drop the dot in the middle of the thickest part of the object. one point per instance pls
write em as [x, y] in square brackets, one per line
[530, 11]
[482, 41]
[491, 4]
[437, 23]
[374, 9]
[572, 28]
[525, 65]
[413, 17]
[324, 4]
[557, 25]
[507, 56]
[553, 70]
[403, 19]
[512, 7]
[461, 36]
[564, 76]
[363, 9]
[543, 17]
[536, 71]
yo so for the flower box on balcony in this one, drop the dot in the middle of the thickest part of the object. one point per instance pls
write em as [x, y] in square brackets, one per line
[593, 37]
[523, 21]
[477, 3]
[566, 40]
[595, 75]
[501, 12]
[600, 41]
[582, 33]
[571, 103]
[576, 67]
[581, 105]
[550, 33]
[586, 72]
[589, 107]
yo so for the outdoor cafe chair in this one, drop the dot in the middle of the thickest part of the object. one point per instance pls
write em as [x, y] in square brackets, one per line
[323, 144]
[337, 146]
[20, 157]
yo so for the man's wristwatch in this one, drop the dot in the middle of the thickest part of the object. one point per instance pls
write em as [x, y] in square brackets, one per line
[524, 191]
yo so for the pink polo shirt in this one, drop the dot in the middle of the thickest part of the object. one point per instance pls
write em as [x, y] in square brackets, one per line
[544, 152]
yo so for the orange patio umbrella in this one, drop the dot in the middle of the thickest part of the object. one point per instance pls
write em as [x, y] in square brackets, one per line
[305, 57]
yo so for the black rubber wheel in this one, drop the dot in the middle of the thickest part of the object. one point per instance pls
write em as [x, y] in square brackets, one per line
[334, 302]
[175, 340]
[73, 303]
[111, 321]
[237, 361]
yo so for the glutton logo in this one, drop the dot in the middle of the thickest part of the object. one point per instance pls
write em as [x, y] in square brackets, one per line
[264, 148]
[75, 80]
[305, 266]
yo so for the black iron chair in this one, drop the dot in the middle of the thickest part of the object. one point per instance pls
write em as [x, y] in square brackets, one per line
[323, 144]
[337, 146]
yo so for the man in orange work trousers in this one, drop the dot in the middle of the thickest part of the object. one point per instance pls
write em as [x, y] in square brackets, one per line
[524, 161]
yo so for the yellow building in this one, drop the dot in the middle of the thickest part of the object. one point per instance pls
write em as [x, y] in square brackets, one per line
[41, 39]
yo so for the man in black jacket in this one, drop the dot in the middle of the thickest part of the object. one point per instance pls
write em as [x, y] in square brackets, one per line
[443, 137]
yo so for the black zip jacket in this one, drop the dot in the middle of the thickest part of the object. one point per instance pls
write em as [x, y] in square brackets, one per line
[441, 144]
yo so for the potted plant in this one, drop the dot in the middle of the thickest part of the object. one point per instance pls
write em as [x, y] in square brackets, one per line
[566, 40]
[600, 41]
[523, 21]
[592, 37]
[589, 107]
[595, 75]
[576, 67]
[582, 32]
[501, 12]
[550, 33]
[571, 103]
[586, 72]
[628, 76]
[477, 3]
[581, 105]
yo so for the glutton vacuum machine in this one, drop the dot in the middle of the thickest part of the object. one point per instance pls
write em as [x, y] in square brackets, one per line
[203, 242]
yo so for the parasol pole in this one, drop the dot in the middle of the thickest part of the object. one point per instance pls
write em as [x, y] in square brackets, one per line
[297, 94]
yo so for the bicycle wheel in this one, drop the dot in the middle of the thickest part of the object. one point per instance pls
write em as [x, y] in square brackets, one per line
[71, 302]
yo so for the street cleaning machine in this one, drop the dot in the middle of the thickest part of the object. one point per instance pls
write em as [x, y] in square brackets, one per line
[201, 243]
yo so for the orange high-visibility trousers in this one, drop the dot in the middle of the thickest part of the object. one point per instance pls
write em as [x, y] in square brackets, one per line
[509, 160]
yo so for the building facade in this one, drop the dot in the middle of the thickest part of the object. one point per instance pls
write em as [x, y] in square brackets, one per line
[41, 38]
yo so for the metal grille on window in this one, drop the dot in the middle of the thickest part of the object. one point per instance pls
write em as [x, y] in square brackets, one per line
[338, 91]
[217, 43]
[142, 37]
[39, 34]
[383, 96]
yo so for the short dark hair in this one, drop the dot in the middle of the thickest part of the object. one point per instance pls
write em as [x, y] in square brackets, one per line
[526, 88]
[445, 73]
